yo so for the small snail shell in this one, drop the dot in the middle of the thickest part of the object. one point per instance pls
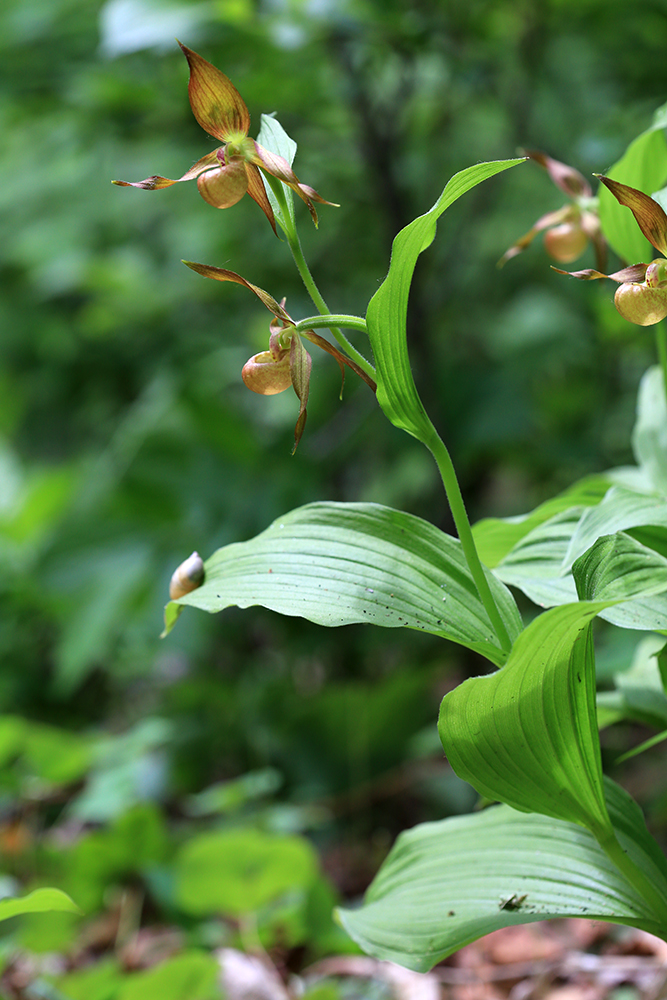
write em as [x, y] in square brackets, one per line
[188, 576]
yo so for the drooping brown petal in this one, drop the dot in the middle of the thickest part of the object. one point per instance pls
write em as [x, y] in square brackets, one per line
[257, 192]
[278, 167]
[223, 187]
[636, 272]
[153, 183]
[220, 274]
[550, 219]
[569, 180]
[648, 214]
[300, 367]
[215, 101]
[340, 358]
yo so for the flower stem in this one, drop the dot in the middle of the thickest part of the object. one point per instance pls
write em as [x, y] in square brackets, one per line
[661, 344]
[289, 228]
[445, 465]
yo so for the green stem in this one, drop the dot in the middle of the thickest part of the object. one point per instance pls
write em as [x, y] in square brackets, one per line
[337, 319]
[294, 243]
[453, 491]
[661, 344]
[635, 876]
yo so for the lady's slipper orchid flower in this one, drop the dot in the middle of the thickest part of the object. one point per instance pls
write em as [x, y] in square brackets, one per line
[641, 297]
[227, 173]
[570, 228]
[286, 362]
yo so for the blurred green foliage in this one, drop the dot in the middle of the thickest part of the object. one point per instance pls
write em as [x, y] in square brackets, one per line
[127, 438]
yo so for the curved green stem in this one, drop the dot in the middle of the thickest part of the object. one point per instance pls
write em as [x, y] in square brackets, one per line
[335, 319]
[289, 228]
[635, 876]
[445, 465]
[661, 344]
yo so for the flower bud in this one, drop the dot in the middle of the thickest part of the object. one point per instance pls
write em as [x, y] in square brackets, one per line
[566, 242]
[267, 375]
[187, 577]
[641, 304]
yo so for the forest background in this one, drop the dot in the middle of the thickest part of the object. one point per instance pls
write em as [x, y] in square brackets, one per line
[127, 438]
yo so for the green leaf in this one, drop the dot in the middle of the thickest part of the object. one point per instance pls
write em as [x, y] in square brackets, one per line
[621, 510]
[236, 872]
[192, 975]
[274, 138]
[527, 735]
[335, 564]
[642, 166]
[618, 568]
[649, 436]
[445, 884]
[38, 901]
[639, 694]
[495, 537]
[387, 310]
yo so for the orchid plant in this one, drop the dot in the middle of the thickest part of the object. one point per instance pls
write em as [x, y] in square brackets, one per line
[563, 840]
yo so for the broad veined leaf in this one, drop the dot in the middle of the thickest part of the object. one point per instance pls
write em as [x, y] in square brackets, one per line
[535, 563]
[336, 563]
[642, 166]
[39, 901]
[527, 735]
[649, 436]
[496, 537]
[620, 510]
[387, 310]
[618, 568]
[445, 884]
[639, 693]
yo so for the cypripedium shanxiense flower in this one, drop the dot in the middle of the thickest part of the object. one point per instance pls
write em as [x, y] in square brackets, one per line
[227, 173]
[570, 228]
[641, 296]
[287, 362]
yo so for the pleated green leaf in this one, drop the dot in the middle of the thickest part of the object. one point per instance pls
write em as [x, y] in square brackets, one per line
[619, 568]
[496, 537]
[621, 510]
[336, 563]
[527, 735]
[39, 901]
[387, 310]
[445, 884]
[535, 563]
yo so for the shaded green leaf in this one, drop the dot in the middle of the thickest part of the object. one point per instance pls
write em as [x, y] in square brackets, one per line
[192, 975]
[335, 564]
[618, 568]
[387, 311]
[649, 436]
[620, 510]
[527, 735]
[236, 872]
[445, 884]
[495, 537]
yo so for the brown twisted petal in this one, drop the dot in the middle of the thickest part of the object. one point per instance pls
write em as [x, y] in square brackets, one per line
[221, 274]
[569, 180]
[156, 182]
[187, 577]
[635, 272]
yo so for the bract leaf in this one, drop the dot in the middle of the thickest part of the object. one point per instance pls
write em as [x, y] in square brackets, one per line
[274, 138]
[336, 563]
[445, 884]
[643, 166]
[39, 901]
[387, 311]
[527, 735]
